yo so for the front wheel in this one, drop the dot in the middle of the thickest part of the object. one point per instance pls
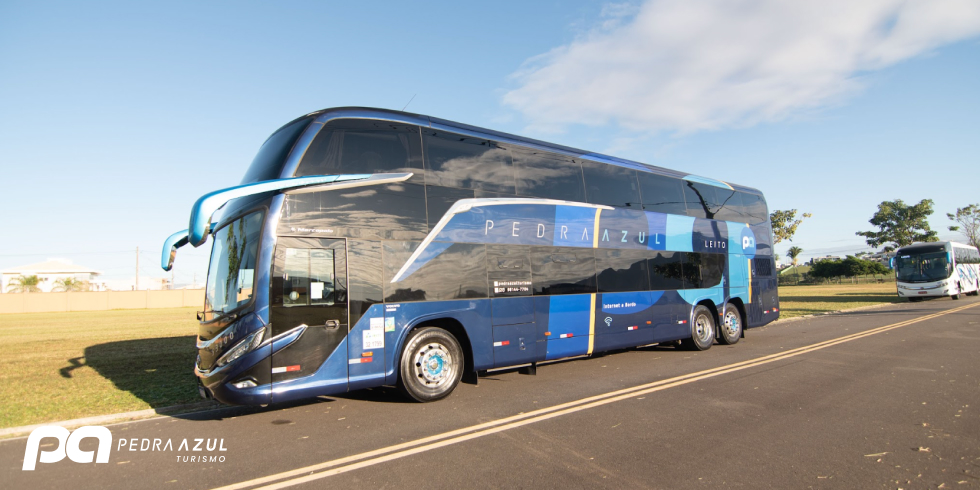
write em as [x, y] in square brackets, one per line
[702, 330]
[731, 326]
[431, 365]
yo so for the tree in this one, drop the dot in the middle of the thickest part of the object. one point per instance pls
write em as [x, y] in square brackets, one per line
[69, 284]
[24, 284]
[969, 223]
[784, 224]
[794, 254]
[901, 224]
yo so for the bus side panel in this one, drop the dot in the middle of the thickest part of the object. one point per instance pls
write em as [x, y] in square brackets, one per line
[565, 322]
[366, 350]
[671, 309]
[625, 319]
[473, 315]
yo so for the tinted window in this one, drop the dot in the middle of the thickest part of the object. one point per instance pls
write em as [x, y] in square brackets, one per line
[365, 277]
[509, 270]
[755, 208]
[457, 161]
[558, 270]
[712, 269]
[440, 199]
[692, 270]
[704, 201]
[395, 211]
[662, 194]
[363, 147]
[548, 176]
[268, 163]
[666, 271]
[458, 272]
[610, 185]
[621, 270]
[730, 206]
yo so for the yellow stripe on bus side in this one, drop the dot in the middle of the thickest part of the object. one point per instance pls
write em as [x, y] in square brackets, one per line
[749, 275]
[595, 244]
[591, 326]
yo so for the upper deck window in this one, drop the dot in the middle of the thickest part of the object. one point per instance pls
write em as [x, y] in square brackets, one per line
[611, 185]
[267, 164]
[458, 161]
[363, 147]
[548, 176]
[662, 194]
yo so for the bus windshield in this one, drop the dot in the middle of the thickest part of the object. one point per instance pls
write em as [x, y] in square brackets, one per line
[232, 271]
[922, 267]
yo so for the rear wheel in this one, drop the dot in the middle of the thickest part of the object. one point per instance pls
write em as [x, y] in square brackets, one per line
[731, 326]
[702, 330]
[431, 365]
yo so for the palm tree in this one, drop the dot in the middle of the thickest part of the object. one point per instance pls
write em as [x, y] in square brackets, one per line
[794, 253]
[69, 284]
[24, 284]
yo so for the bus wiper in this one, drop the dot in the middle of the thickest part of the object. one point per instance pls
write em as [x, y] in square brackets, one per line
[221, 314]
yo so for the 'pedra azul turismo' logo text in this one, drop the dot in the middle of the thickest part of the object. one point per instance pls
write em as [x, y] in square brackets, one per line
[195, 450]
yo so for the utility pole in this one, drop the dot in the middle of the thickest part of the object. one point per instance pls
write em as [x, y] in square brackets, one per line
[137, 269]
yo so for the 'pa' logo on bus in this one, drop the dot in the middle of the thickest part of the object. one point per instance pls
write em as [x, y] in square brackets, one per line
[67, 445]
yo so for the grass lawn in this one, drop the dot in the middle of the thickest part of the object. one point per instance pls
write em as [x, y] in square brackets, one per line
[58, 366]
[808, 300]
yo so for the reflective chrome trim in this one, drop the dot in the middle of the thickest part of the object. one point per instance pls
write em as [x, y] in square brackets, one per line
[205, 207]
[374, 179]
[464, 205]
[170, 246]
[286, 338]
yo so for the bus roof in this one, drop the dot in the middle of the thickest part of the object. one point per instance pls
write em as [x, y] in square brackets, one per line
[325, 115]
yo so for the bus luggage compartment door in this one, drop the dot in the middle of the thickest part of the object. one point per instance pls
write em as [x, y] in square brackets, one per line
[309, 295]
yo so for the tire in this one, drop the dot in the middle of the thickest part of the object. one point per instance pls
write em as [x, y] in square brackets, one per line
[956, 296]
[702, 329]
[431, 365]
[730, 330]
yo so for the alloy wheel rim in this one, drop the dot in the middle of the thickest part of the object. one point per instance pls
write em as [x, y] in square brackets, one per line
[702, 328]
[731, 324]
[434, 365]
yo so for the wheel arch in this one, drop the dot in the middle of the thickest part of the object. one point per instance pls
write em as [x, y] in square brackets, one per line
[737, 302]
[447, 323]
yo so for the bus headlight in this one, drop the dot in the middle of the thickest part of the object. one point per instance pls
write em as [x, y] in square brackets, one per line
[240, 349]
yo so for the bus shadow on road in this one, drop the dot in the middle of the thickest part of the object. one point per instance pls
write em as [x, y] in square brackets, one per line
[157, 371]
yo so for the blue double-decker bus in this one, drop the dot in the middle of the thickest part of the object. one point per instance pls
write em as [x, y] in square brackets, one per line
[367, 247]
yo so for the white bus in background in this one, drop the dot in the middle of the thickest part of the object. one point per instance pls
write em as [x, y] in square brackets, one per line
[931, 269]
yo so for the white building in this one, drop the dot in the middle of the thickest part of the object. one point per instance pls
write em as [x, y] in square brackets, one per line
[51, 271]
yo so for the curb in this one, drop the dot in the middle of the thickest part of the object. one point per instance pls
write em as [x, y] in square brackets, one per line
[109, 419]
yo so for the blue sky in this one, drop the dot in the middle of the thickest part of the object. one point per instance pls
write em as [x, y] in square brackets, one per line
[116, 116]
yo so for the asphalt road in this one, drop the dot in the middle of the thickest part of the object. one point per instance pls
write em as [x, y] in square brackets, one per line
[878, 398]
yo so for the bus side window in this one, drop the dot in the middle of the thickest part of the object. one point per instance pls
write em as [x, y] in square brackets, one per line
[662, 194]
[452, 160]
[702, 200]
[666, 271]
[559, 270]
[712, 269]
[363, 147]
[755, 207]
[621, 270]
[611, 185]
[691, 265]
[730, 206]
[548, 176]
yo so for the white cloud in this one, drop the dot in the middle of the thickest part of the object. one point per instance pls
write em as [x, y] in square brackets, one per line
[682, 65]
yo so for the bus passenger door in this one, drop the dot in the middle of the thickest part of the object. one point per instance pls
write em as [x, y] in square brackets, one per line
[309, 317]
